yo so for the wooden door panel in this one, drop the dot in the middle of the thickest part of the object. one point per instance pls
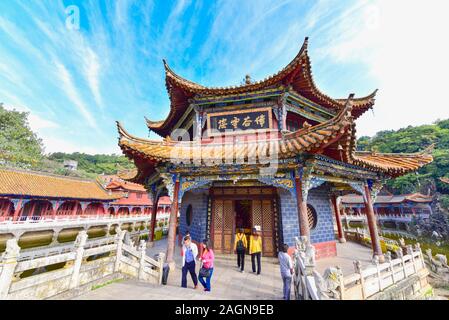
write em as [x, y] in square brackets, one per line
[218, 225]
[228, 225]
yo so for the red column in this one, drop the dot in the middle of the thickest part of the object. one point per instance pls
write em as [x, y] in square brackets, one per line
[341, 235]
[372, 225]
[75, 208]
[302, 209]
[153, 217]
[172, 225]
[55, 209]
[17, 210]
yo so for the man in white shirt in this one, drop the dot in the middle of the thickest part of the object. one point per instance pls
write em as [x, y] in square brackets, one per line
[287, 271]
[189, 254]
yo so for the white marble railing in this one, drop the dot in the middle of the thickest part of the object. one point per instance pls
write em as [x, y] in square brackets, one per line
[389, 217]
[80, 265]
[361, 285]
[67, 222]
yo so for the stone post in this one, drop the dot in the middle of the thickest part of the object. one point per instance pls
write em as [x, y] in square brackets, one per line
[142, 248]
[372, 225]
[80, 242]
[161, 259]
[119, 235]
[9, 262]
[358, 269]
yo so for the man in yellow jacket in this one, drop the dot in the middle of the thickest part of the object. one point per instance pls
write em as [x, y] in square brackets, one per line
[240, 245]
[255, 248]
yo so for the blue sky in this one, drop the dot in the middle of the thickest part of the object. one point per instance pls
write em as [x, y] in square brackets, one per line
[76, 82]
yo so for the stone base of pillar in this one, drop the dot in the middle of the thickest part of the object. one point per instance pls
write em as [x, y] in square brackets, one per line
[172, 265]
[381, 258]
[342, 240]
[150, 244]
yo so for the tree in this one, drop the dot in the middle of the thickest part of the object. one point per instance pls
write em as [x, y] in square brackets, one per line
[414, 139]
[19, 145]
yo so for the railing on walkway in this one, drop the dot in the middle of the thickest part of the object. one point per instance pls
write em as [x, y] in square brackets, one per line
[48, 219]
[398, 217]
[363, 284]
[53, 271]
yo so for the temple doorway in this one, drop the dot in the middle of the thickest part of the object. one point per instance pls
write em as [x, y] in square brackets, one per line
[243, 214]
[234, 208]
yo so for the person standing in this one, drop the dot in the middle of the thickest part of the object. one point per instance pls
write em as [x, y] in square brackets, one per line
[286, 265]
[240, 245]
[207, 258]
[255, 248]
[189, 253]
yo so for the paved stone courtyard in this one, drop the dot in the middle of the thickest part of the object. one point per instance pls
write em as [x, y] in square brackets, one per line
[227, 281]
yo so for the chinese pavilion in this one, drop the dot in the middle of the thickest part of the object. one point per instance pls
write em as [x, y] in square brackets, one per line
[275, 153]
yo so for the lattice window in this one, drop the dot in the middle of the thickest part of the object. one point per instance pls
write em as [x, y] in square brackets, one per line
[218, 215]
[312, 216]
[257, 213]
[228, 215]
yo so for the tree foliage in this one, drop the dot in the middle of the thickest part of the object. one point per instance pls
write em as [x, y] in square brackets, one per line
[410, 140]
[97, 164]
[19, 145]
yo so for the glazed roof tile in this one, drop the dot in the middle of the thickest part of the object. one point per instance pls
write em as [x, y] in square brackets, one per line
[35, 184]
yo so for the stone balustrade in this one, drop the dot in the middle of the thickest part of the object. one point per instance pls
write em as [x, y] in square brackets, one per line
[404, 277]
[73, 268]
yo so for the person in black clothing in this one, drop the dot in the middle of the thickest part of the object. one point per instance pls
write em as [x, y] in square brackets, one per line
[240, 246]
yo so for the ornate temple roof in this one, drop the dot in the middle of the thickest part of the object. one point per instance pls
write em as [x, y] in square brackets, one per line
[126, 185]
[297, 75]
[313, 139]
[36, 184]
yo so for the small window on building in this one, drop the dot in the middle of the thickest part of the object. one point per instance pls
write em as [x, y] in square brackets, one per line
[312, 216]
[189, 215]
[139, 196]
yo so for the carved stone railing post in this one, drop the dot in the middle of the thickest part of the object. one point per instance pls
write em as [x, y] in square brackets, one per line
[400, 255]
[142, 248]
[80, 242]
[120, 234]
[9, 263]
[161, 259]
[388, 259]
[358, 269]
[410, 252]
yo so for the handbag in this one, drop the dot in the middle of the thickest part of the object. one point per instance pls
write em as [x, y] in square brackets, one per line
[204, 272]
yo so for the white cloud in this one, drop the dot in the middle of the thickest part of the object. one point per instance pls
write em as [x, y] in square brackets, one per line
[92, 72]
[71, 91]
[404, 45]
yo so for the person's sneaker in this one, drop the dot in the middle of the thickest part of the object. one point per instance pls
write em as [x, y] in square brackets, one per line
[195, 287]
[242, 271]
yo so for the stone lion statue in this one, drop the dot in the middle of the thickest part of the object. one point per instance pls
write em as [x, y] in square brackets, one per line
[328, 285]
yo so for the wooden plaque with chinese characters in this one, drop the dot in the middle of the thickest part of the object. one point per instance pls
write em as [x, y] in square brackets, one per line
[242, 121]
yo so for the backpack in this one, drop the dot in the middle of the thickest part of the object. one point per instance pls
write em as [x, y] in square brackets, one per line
[240, 247]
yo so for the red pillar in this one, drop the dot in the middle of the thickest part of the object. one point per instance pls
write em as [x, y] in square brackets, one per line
[55, 209]
[341, 235]
[302, 209]
[17, 210]
[75, 208]
[171, 239]
[153, 217]
[372, 225]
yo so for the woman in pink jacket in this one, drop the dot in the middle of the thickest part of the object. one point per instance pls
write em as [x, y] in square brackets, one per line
[207, 258]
